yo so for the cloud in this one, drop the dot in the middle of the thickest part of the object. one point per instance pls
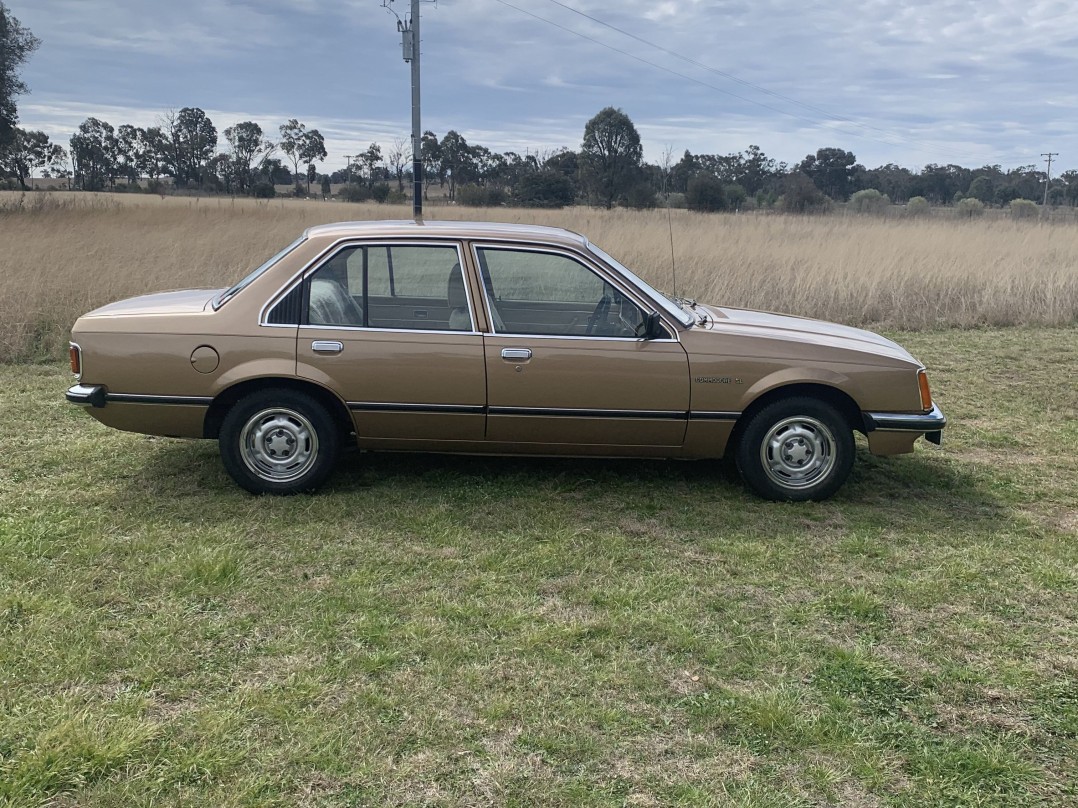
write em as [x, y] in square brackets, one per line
[913, 82]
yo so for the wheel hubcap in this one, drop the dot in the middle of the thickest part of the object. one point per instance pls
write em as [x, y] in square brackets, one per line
[798, 452]
[278, 445]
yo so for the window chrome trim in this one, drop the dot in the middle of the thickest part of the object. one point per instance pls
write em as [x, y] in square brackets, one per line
[331, 252]
[388, 330]
[608, 274]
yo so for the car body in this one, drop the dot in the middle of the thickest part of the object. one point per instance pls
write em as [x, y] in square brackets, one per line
[496, 339]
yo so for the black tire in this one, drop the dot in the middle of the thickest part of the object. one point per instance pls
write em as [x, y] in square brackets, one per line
[796, 449]
[279, 442]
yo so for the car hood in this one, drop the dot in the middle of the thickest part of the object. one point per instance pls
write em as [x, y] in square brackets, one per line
[187, 301]
[746, 322]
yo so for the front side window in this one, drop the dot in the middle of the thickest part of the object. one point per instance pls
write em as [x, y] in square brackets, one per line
[532, 292]
[390, 286]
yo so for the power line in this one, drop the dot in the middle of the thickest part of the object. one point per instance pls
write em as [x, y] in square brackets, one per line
[814, 122]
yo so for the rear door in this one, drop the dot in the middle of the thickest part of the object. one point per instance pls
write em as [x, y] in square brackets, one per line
[389, 327]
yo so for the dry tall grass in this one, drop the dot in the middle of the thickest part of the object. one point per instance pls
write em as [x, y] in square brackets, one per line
[61, 255]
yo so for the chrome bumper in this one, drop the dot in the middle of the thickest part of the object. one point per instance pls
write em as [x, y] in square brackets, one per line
[92, 395]
[930, 423]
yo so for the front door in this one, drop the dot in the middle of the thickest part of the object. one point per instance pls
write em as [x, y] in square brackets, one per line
[567, 363]
[389, 328]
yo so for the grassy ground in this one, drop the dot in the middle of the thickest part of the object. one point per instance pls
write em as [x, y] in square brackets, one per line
[454, 631]
[64, 254]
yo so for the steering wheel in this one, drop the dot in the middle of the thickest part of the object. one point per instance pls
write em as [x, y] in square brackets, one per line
[599, 314]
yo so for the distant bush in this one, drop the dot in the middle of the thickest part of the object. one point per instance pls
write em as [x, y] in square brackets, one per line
[969, 208]
[544, 189]
[155, 187]
[641, 196]
[869, 201]
[675, 200]
[706, 194]
[397, 198]
[736, 196]
[263, 190]
[354, 193]
[917, 206]
[479, 196]
[1024, 209]
[380, 193]
[800, 195]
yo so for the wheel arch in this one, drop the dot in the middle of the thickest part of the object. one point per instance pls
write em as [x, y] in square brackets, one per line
[228, 397]
[842, 401]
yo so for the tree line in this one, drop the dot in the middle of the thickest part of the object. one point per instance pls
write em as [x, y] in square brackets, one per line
[607, 170]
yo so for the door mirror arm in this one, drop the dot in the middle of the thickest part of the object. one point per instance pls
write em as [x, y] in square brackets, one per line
[653, 328]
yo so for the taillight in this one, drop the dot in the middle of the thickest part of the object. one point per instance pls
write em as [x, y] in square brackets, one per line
[75, 355]
[926, 393]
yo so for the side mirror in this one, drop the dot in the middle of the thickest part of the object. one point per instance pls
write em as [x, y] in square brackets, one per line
[653, 327]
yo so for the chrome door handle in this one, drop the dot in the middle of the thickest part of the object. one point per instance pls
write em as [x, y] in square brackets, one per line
[516, 354]
[327, 346]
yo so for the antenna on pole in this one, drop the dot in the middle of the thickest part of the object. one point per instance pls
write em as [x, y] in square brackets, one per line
[1048, 174]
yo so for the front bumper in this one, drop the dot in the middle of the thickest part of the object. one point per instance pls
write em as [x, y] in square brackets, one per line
[83, 394]
[930, 424]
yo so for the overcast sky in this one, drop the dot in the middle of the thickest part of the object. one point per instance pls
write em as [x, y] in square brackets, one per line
[912, 82]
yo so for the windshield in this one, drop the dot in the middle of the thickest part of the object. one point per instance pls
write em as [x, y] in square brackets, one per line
[231, 292]
[672, 306]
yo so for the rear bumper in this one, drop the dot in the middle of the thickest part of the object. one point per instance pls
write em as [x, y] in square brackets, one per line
[930, 424]
[87, 395]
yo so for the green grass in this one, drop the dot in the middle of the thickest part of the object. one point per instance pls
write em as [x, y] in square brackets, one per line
[472, 631]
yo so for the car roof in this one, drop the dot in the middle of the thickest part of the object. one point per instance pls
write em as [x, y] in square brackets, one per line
[448, 229]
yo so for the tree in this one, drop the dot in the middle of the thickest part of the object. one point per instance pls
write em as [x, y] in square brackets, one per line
[246, 145]
[16, 45]
[93, 154]
[28, 152]
[192, 141]
[610, 156]
[398, 158]
[327, 187]
[301, 145]
[457, 161]
[832, 171]
[313, 151]
[432, 160]
[129, 158]
[370, 160]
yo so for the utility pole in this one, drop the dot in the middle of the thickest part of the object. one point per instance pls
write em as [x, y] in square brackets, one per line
[348, 169]
[1048, 174]
[411, 46]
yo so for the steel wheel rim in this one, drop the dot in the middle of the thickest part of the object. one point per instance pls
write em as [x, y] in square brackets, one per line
[798, 452]
[278, 444]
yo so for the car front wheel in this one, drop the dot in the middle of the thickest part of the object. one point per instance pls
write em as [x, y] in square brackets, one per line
[278, 442]
[796, 449]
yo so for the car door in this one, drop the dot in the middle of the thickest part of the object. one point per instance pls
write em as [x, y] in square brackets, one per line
[567, 362]
[389, 327]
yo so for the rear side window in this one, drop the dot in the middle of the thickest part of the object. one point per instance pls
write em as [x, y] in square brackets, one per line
[410, 287]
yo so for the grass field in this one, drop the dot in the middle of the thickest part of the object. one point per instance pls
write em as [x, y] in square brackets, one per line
[451, 631]
[64, 254]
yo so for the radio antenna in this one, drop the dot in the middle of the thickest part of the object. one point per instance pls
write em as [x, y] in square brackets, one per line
[673, 263]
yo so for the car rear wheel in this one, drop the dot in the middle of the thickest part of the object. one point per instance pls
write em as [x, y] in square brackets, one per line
[278, 442]
[796, 449]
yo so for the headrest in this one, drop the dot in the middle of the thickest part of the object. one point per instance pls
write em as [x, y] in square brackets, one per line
[457, 297]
